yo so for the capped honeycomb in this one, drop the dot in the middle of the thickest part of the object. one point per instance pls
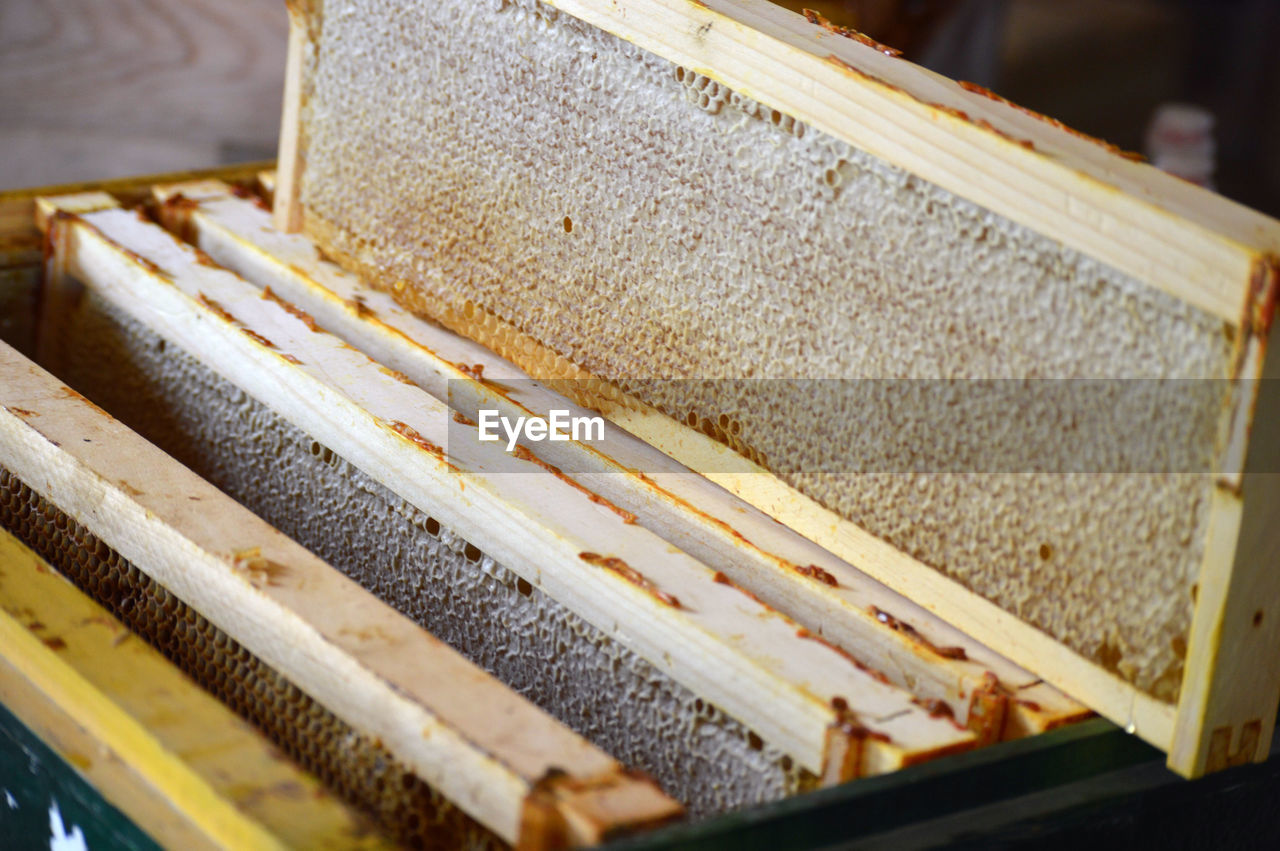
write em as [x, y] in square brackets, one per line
[588, 681]
[584, 207]
[354, 765]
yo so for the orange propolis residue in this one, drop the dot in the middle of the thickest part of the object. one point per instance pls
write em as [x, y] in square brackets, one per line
[397, 375]
[1053, 122]
[525, 455]
[862, 38]
[910, 631]
[357, 306]
[216, 308]
[475, 370]
[413, 436]
[291, 309]
[720, 579]
[847, 722]
[258, 338]
[814, 572]
[249, 195]
[935, 707]
[629, 573]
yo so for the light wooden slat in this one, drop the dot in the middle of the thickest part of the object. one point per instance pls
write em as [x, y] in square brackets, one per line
[724, 645]
[20, 238]
[286, 187]
[721, 531]
[1227, 704]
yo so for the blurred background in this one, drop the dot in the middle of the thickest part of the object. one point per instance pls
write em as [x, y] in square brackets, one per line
[102, 88]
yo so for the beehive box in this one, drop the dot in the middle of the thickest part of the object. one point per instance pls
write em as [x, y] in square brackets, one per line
[829, 599]
[736, 232]
[624, 605]
[256, 793]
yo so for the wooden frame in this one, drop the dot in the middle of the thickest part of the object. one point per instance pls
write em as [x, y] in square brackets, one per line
[855, 612]
[1199, 248]
[801, 695]
[478, 743]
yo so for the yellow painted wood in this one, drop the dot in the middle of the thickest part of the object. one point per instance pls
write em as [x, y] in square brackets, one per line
[115, 751]
[237, 762]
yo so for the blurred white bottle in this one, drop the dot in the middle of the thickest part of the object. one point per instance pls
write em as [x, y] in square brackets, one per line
[1180, 141]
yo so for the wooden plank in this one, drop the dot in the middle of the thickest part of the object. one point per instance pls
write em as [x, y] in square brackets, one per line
[478, 743]
[188, 724]
[1227, 704]
[20, 238]
[850, 609]
[286, 190]
[743, 657]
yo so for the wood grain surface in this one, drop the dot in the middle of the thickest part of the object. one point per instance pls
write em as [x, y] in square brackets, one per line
[92, 89]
